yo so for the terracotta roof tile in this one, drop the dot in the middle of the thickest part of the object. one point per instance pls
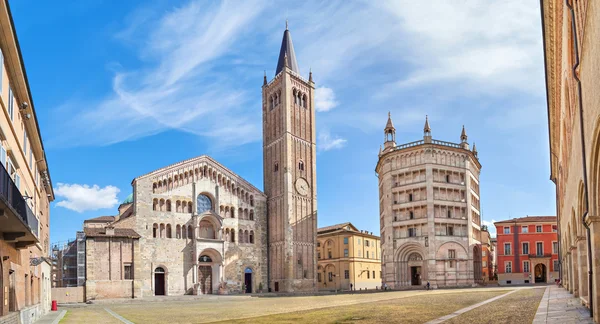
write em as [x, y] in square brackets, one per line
[100, 219]
[530, 219]
[119, 232]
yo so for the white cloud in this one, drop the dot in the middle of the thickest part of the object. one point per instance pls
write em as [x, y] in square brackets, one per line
[176, 86]
[82, 198]
[327, 142]
[325, 99]
[499, 48]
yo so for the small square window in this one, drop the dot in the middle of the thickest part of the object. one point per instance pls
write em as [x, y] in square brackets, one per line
[538, 228]
[507, 230]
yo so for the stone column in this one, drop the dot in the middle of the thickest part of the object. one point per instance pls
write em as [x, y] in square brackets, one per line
[583, 266]
[594, 224]
[575, 271]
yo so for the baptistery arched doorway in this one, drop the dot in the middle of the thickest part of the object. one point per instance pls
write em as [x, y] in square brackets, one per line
[205, 277]
[248, 280]
[160, 283]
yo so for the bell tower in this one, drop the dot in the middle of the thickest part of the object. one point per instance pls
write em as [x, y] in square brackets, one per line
[289, 162]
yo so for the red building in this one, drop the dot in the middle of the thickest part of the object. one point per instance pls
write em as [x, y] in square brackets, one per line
[527, 250]
[487, 254]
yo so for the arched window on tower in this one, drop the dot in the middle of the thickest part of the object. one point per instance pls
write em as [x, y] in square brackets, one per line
[276, 167]
[449, 213]
[154, 230]
[304, 101]
[272, 102]
[411, 215]
[301, 165]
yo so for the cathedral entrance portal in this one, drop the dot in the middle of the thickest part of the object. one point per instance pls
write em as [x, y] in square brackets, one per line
[205, 279]
[415, 275]
[248, 280]
[159, 281]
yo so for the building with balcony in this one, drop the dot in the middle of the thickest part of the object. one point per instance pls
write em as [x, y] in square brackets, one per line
[527, 250]
[348, 258]
[429, 211]
[25, 189]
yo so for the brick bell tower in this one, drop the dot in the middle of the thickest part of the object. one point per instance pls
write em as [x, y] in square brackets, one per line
[289, 160]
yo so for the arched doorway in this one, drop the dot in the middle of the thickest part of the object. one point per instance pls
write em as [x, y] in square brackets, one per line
[205, 274]
[477, 267]
[415, 262]
[159, 281]
[540, 273]
[248, 280]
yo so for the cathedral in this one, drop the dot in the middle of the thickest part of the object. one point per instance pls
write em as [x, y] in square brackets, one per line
[196, 227]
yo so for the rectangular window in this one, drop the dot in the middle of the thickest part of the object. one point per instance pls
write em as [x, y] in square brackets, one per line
[538, 228]
[366, 242]
[507, 249]
[367, 254]
[484, 263]
[554, 247]
[319, 277]
[451, 254]
[525, 248]
[524, 229]
[345, 253]
[11, 106]
[3, 156]
[373, 274]
[127, 273]
[1, 70]
[450, 230]
[412, 232]
[329, 254]
[330, 274]
[368, 275]
[554, 228]
[539, 248]
[507, 230]
[346, 274]
[525, 266]
[508, 267]
[451, 264]
[18, 181]
[345, 240]
[25, 143]
[555, 265]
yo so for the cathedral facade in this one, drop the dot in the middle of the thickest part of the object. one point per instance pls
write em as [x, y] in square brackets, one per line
[429, 211]
[196, 227]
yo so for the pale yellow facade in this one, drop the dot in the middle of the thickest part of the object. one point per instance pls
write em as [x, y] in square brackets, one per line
[25, 190]
[348, 258]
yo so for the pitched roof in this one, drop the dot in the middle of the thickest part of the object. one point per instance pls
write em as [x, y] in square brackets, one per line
[100, 219]
[119, 232]
[389, 122]
[530, 219]
[286, 53]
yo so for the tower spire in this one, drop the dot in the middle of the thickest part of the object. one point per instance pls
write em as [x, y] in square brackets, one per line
[390, 134]
[286, 53]
[474, 150]
[265, 78]
[426, 128]
[463, 135]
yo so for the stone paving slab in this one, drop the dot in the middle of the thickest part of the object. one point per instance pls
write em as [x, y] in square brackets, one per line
[51, 317]
[559, 306]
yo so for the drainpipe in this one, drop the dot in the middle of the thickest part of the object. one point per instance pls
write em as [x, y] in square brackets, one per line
[583, 155]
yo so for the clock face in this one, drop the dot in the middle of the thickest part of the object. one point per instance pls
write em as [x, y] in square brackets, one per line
[302, 186]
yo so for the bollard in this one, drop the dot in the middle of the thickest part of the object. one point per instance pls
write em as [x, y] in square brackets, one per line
[54, 306]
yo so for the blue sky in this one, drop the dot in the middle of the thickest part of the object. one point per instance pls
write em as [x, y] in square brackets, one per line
[125, 88]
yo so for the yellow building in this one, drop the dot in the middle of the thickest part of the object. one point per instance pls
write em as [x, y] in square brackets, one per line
[347, 257]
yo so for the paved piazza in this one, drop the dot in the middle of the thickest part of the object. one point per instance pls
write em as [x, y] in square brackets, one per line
[517, 304]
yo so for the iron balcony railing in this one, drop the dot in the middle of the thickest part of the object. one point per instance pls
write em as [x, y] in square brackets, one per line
[13, 198]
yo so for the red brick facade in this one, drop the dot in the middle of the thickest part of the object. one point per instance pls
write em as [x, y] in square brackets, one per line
[527, 250]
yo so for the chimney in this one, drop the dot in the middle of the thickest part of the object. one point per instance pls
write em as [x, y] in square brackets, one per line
[110, 230]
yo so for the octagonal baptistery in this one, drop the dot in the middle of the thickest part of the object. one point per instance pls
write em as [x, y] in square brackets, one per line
[429, 212]
[202, 228]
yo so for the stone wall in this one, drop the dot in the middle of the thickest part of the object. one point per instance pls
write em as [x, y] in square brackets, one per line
[69, 295]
